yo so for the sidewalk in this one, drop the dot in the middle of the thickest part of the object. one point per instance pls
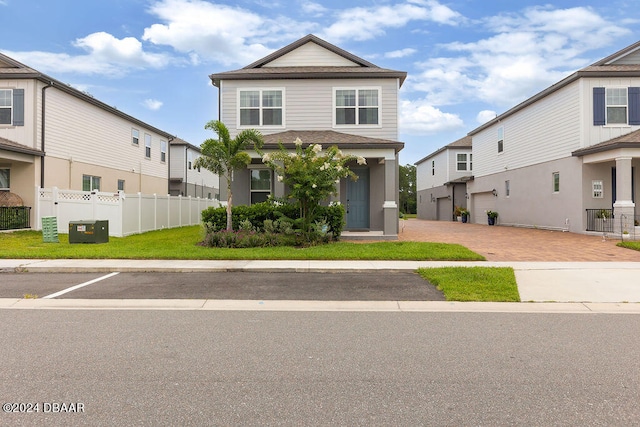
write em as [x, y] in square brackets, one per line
[574, 282]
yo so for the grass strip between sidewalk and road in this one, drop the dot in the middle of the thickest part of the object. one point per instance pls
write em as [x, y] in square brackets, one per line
[485, 284]
[182, 243]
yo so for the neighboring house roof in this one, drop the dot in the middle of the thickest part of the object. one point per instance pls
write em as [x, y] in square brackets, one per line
[328, 138]
[181, 142]
[630, 140]
[12, 69]
[8, 145]
[258, 71]
[464, 142]
[602, 68]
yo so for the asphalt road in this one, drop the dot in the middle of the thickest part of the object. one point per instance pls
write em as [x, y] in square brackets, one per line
[131, 367]
[343, 286]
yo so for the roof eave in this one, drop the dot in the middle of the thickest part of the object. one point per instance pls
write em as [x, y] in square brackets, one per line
[217, 78]
[595, 149]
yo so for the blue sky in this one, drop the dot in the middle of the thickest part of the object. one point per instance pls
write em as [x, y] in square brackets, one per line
[467, 60]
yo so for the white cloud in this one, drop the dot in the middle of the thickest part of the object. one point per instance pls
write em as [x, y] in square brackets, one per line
[152, 104]
[364, 23]
[528, 52]
[420, 117]
[312, 8]
[225, 34]
[400, 53]
[485, 115]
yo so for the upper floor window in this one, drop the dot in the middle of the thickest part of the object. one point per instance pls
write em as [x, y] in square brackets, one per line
[5, 179]
[433, 167]
[189, 160]
[6, 106]
[147, 145]
[500, 139]
[463, 162]
[616, 106]
[357, 106]
[90, 183]
[163, 151]
[135, 136]
[261, 107]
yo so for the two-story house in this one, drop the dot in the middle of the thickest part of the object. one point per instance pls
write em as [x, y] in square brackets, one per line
[187, 180]
[319, 93]
[568, 155]
[52, 135]
[441, 180]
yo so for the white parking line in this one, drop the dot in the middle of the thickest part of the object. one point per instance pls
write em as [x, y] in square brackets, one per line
[73, 288]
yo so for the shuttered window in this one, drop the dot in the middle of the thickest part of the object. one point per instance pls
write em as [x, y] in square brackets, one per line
[616, 106]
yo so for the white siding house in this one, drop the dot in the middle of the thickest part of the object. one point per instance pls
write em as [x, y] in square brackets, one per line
[319, 93]
[568, 155]
[441, 180]
[187, 180]
[52, 135]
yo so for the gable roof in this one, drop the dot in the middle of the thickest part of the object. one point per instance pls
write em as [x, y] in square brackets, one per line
[630, 140]
[328, 137]
[606, 67]
[179, 142]
[12, 69]
[464, 142]
[258, 71]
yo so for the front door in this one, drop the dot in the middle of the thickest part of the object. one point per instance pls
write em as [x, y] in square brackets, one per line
[358, 200]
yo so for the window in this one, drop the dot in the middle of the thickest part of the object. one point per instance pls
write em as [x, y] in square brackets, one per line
[163, 151]
[616, 105]
[463, 162]
[121, 185]
[500, 139]
[135, 136]
[5, 179]
[507, 188]
[597, 189]
[261, 107]
[260, 185]
[189, 160]
[556, 182]
[147, 145]
[433, 167]
[90, 183]
[357, 106]
[6, 106]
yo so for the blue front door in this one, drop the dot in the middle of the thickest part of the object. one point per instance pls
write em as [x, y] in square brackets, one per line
[358, 200]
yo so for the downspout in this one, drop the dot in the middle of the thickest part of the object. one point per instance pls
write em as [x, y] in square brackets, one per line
[168, 154]
[186, 172]
[42, 139]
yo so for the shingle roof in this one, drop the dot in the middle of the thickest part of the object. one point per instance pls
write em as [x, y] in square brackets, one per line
[329, 137]
[464, 142]
[630, 140]
[8, 145]
[257, 70]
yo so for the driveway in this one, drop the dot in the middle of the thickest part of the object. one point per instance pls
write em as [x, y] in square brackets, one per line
[517, 244]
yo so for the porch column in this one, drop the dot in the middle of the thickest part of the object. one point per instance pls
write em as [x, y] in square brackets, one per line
[623, 206]
[391, 189]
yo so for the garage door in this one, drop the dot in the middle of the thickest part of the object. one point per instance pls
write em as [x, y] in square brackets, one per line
[482, 202]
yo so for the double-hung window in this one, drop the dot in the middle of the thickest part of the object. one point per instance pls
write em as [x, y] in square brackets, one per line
[6, 106]
[135, 136]
[616, 106]
[357, 106]
[163, 151]
[500, 139]
[147, 145]
[261, 107]
[90, 183]
[463, 162]
[260, 185]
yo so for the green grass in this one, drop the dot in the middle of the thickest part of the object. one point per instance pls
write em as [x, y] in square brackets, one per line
[630, 245]
[181, 243]
[487, 284]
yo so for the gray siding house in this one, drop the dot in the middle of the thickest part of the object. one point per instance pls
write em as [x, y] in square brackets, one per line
[568, 157]
[319, 93]
[441, 180]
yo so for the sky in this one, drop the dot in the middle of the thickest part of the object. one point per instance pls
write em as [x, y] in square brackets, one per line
[467, 60]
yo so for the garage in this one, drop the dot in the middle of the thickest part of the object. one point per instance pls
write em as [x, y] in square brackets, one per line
[482, 202]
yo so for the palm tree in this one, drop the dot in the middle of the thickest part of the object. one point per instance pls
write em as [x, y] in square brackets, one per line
[224, 155]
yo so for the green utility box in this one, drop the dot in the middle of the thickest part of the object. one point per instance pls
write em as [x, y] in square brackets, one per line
[50, 229]
[89, 231]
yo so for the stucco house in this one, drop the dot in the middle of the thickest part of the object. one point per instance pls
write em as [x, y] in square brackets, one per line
[568, 156]
[53, 135]
[319, 93]
[441, 180]
[187, 180]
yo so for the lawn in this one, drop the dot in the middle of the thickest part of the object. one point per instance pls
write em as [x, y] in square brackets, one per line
[181, 243]
[474, 283]
[630, 245]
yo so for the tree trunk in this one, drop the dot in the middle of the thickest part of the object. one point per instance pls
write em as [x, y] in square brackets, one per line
[229, 205]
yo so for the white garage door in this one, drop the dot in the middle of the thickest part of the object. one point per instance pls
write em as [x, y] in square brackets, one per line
[482, 202]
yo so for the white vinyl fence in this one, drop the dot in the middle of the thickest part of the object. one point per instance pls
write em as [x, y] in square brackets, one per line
[127, 213]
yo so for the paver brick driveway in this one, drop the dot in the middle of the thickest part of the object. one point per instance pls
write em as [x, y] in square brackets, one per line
[499, 243]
